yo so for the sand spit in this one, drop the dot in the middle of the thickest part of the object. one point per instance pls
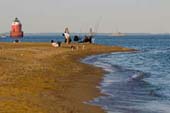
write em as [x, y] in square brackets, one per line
[38, 78]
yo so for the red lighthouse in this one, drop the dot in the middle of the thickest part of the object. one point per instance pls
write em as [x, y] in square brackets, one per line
[16, 29]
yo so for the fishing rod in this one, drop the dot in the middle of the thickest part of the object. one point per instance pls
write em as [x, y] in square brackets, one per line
[97, 25]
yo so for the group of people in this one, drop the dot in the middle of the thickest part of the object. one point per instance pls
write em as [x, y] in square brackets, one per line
[88, 38]
[68, 40]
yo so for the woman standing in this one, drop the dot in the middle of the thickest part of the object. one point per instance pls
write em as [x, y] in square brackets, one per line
[67, 36]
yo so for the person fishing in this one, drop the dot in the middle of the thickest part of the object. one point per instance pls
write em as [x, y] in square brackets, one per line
[66, 35]
[89, 37]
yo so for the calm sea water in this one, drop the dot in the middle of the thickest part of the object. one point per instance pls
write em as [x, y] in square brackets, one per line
[36, 38]
[135, 82]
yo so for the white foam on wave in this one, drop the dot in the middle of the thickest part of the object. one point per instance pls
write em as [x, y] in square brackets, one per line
[137, 76]
[106, 66]
[107, 82]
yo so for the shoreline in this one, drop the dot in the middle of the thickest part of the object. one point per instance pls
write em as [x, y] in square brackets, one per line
[37, 78]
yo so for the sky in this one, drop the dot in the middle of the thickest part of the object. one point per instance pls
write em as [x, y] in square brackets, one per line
[129, 16]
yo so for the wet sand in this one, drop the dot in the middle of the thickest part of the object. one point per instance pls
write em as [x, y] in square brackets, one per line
[38, 78]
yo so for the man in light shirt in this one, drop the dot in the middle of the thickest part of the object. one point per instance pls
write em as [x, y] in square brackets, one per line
[67, 36]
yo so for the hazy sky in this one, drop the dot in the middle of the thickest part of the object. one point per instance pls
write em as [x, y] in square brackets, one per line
[103, 15]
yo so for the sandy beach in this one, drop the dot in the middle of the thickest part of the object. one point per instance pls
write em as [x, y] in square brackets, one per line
[38, 78]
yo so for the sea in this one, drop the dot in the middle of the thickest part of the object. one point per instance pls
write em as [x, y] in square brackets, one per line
[134, 82]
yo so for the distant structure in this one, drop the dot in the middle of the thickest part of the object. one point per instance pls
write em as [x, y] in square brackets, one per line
[118, 34]
[91, 32]
[16, 29]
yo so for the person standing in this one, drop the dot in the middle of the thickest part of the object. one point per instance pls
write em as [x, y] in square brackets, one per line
[67, 36]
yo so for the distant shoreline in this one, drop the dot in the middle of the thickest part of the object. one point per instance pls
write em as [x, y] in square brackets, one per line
[84, 33]
[35, 77]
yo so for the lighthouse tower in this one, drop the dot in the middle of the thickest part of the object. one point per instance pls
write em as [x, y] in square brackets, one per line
[16, 29]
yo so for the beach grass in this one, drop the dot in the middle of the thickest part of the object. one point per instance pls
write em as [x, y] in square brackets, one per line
[38, 78]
